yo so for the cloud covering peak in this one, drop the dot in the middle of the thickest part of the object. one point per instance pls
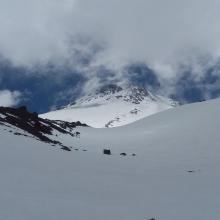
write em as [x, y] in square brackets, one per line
[160, 33]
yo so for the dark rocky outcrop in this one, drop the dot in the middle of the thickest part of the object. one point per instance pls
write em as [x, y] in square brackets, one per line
[41, 129]
[110, 89]
[69, 125]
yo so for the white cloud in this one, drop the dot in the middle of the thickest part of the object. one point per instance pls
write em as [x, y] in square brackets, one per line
[9, 98]
[153, 31]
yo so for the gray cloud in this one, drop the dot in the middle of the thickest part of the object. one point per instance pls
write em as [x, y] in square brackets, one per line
[160, 33]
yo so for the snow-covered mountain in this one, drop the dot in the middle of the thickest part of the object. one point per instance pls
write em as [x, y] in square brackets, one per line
[165, 166]
[112, 106]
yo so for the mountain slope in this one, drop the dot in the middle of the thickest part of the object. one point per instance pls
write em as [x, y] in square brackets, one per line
[20, 122]
[174, 174]
[112, 106]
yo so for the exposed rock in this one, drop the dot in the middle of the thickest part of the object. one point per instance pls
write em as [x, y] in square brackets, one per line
[41, 129]
[107, 151]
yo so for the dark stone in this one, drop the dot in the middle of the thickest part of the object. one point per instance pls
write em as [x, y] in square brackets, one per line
[123, 154]
[107, 151]
[77, 134]
[17, 133]
[66, 148]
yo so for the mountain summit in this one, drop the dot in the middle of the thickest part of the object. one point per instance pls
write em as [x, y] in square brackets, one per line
[112, 106]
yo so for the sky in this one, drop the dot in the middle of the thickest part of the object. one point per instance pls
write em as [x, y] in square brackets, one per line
[85, 34]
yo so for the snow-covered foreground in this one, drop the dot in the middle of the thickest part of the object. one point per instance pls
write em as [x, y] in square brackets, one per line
[174, 175]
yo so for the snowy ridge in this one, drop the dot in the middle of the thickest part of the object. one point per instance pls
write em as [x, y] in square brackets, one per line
[113, 106]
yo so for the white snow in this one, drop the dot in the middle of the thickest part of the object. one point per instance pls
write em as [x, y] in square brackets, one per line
[112, 109]
[39, 181]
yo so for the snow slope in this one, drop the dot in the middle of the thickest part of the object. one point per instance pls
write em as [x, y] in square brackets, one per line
[174, 175]
[112, 106]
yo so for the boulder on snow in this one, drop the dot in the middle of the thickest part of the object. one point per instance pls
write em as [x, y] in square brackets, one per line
[107, 151]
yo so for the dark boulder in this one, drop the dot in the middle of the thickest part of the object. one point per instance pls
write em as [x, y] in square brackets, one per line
[107, 151]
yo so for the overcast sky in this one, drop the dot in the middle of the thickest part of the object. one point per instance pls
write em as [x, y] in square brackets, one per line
[158, 32]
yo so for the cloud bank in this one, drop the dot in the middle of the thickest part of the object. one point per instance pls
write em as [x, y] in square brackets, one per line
[160, 33]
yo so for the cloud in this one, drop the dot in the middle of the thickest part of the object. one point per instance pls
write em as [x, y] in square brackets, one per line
[9, 98]
[34, 31]
[160, 33]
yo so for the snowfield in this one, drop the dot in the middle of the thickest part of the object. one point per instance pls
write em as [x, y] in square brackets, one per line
[112, 106]
[174, 175]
